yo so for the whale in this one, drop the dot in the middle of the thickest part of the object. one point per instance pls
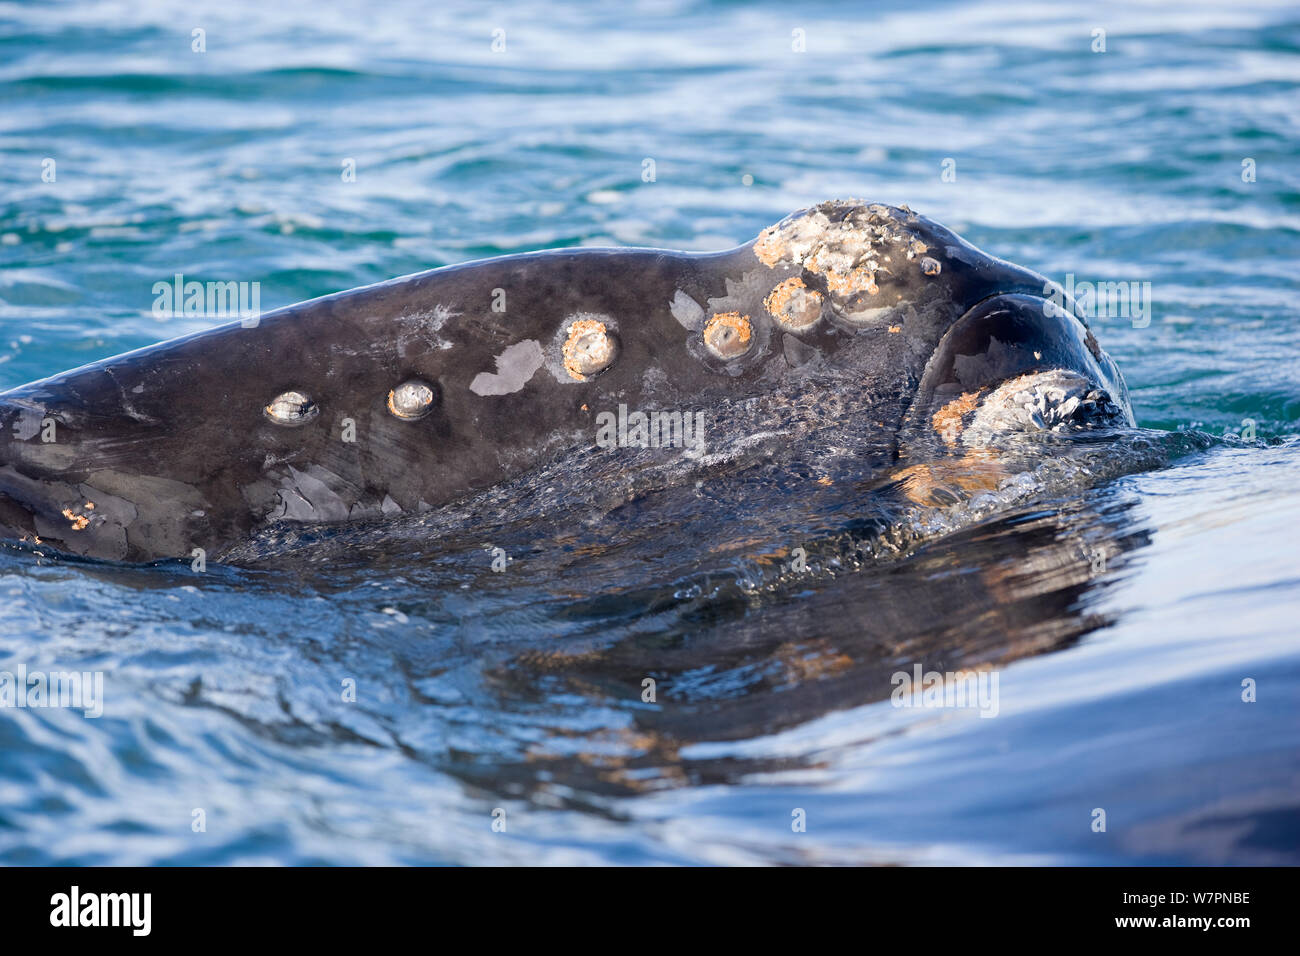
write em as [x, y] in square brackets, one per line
[857, 328]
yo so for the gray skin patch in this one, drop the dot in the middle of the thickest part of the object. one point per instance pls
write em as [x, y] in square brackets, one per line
[28, 421]
[752, 286]
[305, 496]
[687, 311]
[797, 353]
[515, 366]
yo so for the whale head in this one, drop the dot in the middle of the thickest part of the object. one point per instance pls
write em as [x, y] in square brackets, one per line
[399, 397]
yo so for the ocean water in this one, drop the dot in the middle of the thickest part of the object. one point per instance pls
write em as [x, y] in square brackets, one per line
[1141, 625]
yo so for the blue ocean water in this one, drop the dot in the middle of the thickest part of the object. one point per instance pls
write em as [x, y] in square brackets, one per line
[482, 698]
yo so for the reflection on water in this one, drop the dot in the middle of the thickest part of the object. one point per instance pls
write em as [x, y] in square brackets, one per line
[614, 720]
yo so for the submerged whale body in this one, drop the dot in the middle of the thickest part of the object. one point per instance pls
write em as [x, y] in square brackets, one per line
[866, 333]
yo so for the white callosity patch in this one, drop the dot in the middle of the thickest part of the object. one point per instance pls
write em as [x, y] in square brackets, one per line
[514, 367]
[1052, 401]
[848, 246]
[291, 408]
[794, 306]
[840, 236]
[737, 331]
[411, 400]
[729, 335]
[585, 345]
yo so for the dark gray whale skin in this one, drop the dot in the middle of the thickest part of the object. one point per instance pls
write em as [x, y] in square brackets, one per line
[170, 448]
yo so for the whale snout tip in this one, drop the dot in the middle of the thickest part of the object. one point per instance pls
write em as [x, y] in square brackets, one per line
[1018, 362]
